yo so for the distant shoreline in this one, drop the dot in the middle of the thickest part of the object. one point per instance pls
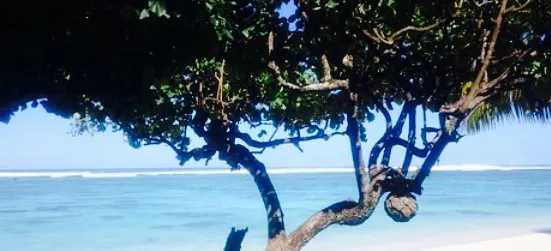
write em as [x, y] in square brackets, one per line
[3, 169]
[131, 173]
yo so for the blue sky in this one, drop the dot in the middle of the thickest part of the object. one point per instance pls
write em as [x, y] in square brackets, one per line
[35, 139]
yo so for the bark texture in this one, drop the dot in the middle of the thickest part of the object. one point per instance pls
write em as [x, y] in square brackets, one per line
[349, 213]
[370, 189]
[274, 212]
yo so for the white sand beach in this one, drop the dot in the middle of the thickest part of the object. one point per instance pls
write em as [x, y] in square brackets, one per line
[502, 239]
[530, 242]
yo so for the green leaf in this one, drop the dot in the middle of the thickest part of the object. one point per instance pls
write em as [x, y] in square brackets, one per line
[144, 14]
[245, 33]
[331, 4]
[466, 87]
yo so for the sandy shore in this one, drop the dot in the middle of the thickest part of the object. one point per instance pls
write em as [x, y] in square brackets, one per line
[530, 242]
[527, 238]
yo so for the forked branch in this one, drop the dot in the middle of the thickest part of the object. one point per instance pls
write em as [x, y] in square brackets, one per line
[327, 83]
[518, 8]
[380, 144]
[379, 38]
[487, 53]
[198, 153]
[348, 212]
[292, 140]
[397, 131]
[483, 87]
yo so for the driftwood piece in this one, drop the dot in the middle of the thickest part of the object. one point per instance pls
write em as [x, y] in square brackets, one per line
[235, 238]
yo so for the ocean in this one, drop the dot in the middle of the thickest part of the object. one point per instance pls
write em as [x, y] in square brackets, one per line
[194, 209]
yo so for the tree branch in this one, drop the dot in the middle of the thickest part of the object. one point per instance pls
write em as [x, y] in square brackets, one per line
[484, 2]
[396, 131]
[349, 213]
[412, 28]
[411, 142]
[377, 39]
[328, 83]
[421, 153]
[515, 54]
[519, 8]
[271, 137]
[272, 143]
[487, 54]
[183, 156]
[390, 40]
[352, 129]
[346, 212]
[431, 160]
[426, 129]
[241, 155]
[380, 144]
[505, 73]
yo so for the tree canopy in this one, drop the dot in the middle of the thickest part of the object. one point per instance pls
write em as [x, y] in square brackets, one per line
[159, 70]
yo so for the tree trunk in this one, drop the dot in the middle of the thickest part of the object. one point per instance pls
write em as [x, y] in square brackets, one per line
[431, 159]
[349, 213]
[371, 185]
[362, 179]
[274, 212]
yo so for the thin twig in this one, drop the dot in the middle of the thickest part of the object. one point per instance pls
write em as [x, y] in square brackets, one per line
[379, 38]
[518, 8]
[505, 73]
[292, 140]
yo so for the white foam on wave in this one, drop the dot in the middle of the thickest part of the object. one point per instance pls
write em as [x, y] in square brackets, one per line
[122, 174]
[273, 171]
[477, 167]
[88, 174]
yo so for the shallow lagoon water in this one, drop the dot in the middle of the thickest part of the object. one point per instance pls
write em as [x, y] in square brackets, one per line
[123, 210]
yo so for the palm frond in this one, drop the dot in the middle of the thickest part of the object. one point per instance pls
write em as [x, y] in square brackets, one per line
[510, 107]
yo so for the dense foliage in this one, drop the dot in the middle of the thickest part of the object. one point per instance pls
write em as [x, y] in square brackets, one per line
[436, 51]
[62, 51]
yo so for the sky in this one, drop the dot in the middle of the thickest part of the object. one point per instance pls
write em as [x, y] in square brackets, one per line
[35, 139]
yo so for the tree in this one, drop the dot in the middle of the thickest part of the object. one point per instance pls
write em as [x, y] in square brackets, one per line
[469, 62]
[417, 54]
[344, 61]
[155, 69]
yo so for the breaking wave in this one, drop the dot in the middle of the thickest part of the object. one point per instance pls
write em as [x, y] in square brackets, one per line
[273, 171]
[475, 167]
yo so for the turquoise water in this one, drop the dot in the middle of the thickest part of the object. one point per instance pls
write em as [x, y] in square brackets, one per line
[120, 210]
